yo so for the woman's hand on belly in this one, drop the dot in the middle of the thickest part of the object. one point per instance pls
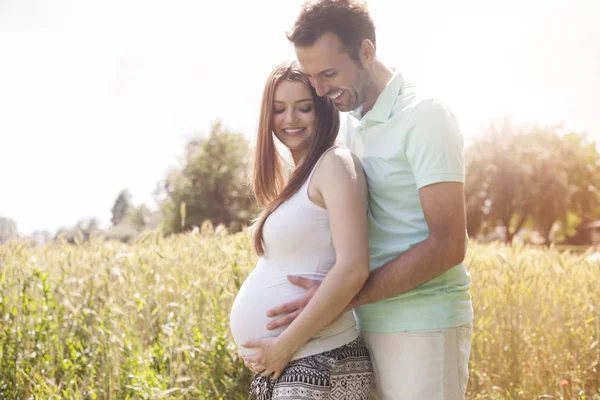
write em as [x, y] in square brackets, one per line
[273, 355]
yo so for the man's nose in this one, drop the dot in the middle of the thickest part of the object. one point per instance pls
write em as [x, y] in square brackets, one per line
[320, 88]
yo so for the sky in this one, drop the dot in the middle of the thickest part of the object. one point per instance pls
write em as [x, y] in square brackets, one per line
[100, 96]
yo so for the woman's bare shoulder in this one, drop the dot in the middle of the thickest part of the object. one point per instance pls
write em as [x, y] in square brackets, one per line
[341, 165]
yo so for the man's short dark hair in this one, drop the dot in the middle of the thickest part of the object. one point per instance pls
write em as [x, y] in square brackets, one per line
[348, 19]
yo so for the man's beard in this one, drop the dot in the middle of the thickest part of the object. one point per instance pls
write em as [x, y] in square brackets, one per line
[360, 94]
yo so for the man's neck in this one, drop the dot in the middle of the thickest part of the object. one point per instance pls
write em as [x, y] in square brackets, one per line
[380, 77]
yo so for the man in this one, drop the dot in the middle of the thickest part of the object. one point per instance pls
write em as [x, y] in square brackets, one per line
[414, 312]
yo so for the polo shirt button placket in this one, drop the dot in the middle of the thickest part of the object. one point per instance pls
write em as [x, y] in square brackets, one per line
[360, 142]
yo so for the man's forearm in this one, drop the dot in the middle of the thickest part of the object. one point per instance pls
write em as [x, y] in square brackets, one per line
[414, 267]
[328, 304]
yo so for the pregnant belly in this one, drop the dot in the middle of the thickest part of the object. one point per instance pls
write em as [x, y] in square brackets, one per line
[265, 288]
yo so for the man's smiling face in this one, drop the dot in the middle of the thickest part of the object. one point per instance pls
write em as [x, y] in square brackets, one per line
[333, 73]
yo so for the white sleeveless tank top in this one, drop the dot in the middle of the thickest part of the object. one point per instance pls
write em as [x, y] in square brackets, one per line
[297, 239]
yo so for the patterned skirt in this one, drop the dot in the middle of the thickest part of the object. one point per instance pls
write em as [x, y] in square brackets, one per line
[344, 373]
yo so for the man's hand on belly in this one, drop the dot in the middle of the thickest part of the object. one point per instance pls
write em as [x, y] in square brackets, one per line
[293, 307]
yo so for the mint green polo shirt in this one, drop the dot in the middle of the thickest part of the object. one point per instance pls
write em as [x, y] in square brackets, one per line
[405, 143]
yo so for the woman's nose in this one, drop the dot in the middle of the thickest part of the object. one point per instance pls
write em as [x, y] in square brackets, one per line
[290, 116]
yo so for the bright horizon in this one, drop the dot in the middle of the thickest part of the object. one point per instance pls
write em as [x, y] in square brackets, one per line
[96, 97]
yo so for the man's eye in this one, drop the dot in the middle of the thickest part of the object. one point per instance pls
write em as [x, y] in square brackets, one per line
[330, 74]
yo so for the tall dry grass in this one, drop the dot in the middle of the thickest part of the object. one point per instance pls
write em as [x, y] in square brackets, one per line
[105, 320]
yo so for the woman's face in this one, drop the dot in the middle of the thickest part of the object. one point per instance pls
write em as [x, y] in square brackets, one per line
[294, 116]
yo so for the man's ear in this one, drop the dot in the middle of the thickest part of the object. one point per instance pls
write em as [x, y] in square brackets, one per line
[367, 52]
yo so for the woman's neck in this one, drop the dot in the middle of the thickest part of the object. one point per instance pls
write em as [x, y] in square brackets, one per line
[298, 156]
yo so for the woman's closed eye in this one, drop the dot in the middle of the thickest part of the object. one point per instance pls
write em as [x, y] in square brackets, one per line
[302, 109]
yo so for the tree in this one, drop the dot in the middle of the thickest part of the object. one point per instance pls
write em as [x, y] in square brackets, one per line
[531, 176]
[121, 207]
[566, 184]
[138, 217]
[83, 229]
[8, 229]
[129, 220]
[495, 189]
[211, 185]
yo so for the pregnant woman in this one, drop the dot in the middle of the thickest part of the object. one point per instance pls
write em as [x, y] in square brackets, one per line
[313, 224]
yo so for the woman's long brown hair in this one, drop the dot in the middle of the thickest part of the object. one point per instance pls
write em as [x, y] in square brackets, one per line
[268, 181]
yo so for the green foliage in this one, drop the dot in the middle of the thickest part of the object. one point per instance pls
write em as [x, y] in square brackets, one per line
[81, 232]
[123, 232]
[106, 320]
[149, 320]
[531, 176]
[212, 184]
[121, 207]
[138, 217]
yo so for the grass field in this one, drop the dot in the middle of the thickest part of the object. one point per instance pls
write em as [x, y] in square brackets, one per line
[105, 320]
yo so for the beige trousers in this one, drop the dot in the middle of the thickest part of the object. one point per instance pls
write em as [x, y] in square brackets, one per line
[420, 365]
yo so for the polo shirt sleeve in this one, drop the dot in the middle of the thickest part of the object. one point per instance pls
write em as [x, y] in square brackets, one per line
[435, 145]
